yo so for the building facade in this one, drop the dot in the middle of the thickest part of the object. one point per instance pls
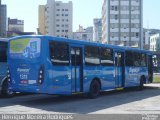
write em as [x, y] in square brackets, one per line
[41, 20]
[59, 18]
[155, 42]
[122, 22]
[97, 30]
[3, 21]
[84, 34]
[15, 25]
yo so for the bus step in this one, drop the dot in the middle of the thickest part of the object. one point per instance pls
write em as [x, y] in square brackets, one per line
[76, 93]
[119, 88]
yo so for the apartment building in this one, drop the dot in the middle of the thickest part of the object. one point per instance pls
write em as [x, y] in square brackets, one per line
[3, 20]
[84, 34]
[15, 25]
[97, 30]
[122, 22]
[59, 18]
[41, 20]
[155, 42]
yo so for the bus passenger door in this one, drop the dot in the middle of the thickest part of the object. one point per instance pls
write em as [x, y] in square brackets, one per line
[119, 70]
[77, 69]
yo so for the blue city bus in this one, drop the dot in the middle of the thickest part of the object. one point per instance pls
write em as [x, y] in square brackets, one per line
[3, 68]
[61, 66]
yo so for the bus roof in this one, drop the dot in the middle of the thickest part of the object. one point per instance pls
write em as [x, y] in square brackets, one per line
[83, 42]
[4, 39]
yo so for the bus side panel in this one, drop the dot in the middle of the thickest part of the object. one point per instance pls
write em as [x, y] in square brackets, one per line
[90, 73]
[133, 75]
[60, 80]
[108, 78]
[104, 74]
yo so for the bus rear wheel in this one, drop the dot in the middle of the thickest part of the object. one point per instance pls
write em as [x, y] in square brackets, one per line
[5, 91]
[94, 89]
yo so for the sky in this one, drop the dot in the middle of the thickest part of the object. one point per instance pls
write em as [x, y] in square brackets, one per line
[84, 11]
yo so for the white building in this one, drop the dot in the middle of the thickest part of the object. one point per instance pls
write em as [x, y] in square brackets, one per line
[58, 18]
[122, 22]
[83, 34]
[15, 25]
[97, 30]
[155, 42]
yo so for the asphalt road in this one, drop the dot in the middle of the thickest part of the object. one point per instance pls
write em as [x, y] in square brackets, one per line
[115, 102]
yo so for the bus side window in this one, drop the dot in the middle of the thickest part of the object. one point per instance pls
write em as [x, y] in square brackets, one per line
[135, 59]
[59, 53]
[92, 57]
[3, 51]
[106, 57]
[129, 59]
[76, 58]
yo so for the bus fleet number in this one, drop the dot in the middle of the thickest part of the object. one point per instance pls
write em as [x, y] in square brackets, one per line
[23, 76]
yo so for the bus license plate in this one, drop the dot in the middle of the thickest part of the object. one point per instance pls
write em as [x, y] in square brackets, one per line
[24, 82]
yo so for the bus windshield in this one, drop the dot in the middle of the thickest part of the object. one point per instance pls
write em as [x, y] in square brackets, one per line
[3, 51]
[25, 48]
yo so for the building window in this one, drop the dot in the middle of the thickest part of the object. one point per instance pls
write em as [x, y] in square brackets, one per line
[114, 8]
[57, 4]
[116, 17]
[66, 36]
[137, 35]
[57, 20]
[57, 25]
[58, 9]
[66, 26]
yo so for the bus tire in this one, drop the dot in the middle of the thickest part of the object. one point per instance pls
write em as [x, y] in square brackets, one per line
[141, 85]
[5, 91]
[94, 89]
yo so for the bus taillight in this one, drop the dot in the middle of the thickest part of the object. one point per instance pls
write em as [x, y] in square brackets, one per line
[41, 75]
[8, 75]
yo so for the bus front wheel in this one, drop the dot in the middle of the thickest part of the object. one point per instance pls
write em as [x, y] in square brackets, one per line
[141, 85]
[94, 89]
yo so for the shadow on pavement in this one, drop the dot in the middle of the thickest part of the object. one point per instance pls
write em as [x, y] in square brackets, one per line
[79, 104]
